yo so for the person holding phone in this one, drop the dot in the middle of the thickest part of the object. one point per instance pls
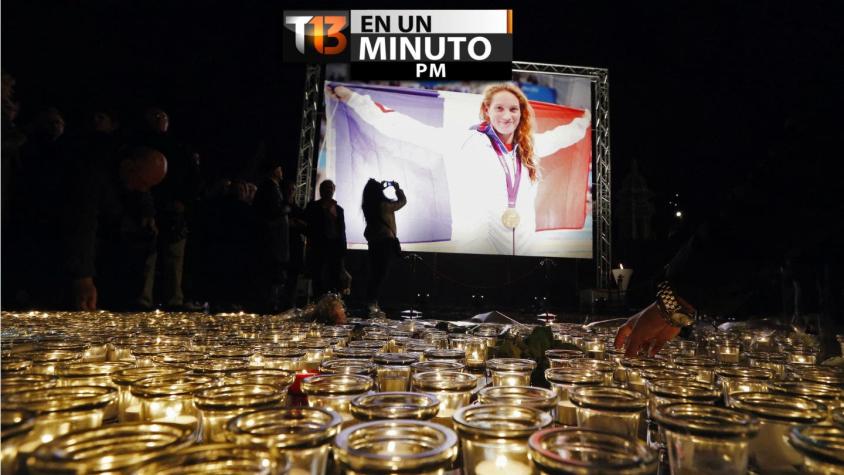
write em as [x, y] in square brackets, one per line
[381, 234]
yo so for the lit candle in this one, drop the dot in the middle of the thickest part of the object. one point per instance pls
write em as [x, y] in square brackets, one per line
[183, 419]
[622, 277]
[728, 353]
[133, 413]
[502, 466]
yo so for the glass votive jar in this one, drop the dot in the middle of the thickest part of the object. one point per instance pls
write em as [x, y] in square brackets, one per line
[60, 410]
[632, 370]
[177, 358]
[493, 438]
[395, 405]
[661, 392]
[612, 410]
[170, 398]
[510, 371]
[437, 339]
[475, 351]
[703, 438]
[594, 348]
[830, 375]
[822, 447]
[489, 333]
[45, 362]
[219, 404]
[772, 361]
[27, 381]
[457, 341]
[354, 353]
[301, 434]
[704, 367]
[242, 353]
[686, 348]
[442, 354]
[436, 365]
[453, 389]
[830, 396]
[393, 372]
[528, 396]
[110, 449]
[217, 458]
[605, 368]
[729, 352]
[128, 406]
[118, 348]
[216, 367]
[374, 345]
[16, 424]
[315, 352]
[802, 356]
[837, 416]
[348, 366]
[559, 358]
[563, 381]
[395, 446]
[581, 452]
[743, 380]
[335, 391]
[143, 354]
[14, 364]
[90, 374]
[777, 414]
[277, 378]
[288, 359]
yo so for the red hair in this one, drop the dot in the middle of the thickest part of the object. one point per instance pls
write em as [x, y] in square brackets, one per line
[523, 136]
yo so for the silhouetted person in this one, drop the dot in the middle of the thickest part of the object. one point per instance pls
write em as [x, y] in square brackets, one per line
[173, 199]
[271, 211]
[12, 213]
[298, 227]
[231, 232]
[326, 239]
[110, 226]
[39, 188]
[384, 247]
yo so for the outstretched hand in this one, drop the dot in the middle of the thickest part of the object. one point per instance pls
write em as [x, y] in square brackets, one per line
[84, 294]
[340, 93]
[645, 332]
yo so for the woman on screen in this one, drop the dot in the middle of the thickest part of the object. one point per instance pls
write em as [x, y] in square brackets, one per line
[492, 168]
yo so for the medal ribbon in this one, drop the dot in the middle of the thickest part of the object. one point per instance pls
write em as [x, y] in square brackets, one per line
[501, 150]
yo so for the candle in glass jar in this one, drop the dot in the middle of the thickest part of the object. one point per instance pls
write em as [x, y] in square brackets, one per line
[475, 349]
[728, 353]
[502, 466]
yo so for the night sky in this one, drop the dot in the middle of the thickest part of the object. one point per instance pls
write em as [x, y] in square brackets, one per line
[697, 91]
[704, 95]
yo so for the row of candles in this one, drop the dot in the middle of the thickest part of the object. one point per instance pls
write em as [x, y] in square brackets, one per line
[150, 393]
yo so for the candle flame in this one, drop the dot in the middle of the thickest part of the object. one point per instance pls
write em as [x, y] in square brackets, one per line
[501, 461]
[620, 265]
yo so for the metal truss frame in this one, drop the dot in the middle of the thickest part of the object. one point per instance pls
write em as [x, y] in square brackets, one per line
[601, 197]
[308, 138]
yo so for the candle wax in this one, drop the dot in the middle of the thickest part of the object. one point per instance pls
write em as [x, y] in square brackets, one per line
[502, 466]
[184, 420]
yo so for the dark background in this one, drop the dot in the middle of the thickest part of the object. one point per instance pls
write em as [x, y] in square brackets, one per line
[705, 96]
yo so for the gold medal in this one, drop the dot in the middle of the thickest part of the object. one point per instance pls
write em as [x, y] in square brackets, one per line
[510, 218]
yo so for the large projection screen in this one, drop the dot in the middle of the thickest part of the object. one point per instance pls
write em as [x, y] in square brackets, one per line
[432, 139]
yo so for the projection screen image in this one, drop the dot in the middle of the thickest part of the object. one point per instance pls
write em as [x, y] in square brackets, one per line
[509, 176]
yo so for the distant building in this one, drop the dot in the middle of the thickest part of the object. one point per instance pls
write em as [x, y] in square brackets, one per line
[634, 209]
